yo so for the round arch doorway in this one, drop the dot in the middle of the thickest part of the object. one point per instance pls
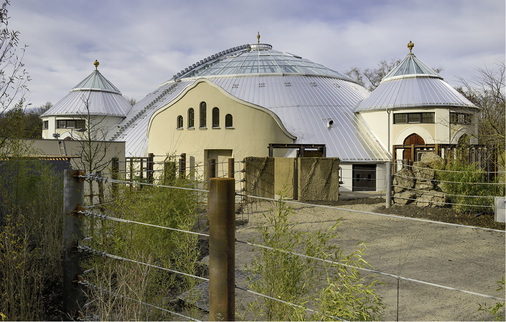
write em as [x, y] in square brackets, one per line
[411, 139]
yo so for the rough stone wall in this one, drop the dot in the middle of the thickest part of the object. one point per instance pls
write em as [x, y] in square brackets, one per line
[259, 176]
[417, 185]
[318, 179]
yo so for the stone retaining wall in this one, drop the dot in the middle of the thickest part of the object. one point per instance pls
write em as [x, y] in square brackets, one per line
[416, 184]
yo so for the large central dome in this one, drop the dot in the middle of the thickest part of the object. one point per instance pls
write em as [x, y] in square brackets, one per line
[259, 59]
[314, 103]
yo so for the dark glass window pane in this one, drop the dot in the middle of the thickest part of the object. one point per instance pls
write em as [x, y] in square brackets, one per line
[229, 120]
[203, 111]
[400, 118]
[179, 121]
[216, 117]
[414, 118]
[191, 117]
[428, 117]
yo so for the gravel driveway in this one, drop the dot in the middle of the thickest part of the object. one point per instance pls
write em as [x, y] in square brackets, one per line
[458, 257]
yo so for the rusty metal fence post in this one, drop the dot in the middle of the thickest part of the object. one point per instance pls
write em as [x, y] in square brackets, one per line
[182, 166]
[114, 176]
[150, 168]
[221, 207]
[73, 200]
[388, 185]
[231, 168]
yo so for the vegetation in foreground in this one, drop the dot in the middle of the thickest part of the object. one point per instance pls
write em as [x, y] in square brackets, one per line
[319, 277]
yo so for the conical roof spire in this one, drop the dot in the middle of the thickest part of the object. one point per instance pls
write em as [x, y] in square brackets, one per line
[96, 81]
[411, 66]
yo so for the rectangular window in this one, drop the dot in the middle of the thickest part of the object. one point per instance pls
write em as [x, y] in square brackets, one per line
[414, 118]
[45, 125]
[400, 118]
[61, 124]
[70, 124]
[428, 117]
[403, 118]
[460, 118]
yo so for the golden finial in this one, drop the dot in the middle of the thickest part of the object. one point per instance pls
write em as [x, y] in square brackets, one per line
[410, 46]
[96, 63]
[258, 37]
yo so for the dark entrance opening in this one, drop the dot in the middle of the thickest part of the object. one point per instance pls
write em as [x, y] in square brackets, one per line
[364, 177]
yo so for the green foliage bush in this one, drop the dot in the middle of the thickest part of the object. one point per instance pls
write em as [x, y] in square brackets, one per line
[30, 240]
[332, 288]
[126, 282]
[462, 180]
[496, 311]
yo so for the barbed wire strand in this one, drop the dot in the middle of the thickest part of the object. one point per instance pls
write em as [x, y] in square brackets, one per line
[266, 247]
[445, 203]
[90, 285]
[156, 185]
[285, 302]
[106, 254]
[446, 194]
[457, 182]
[370, 270]
[107, 217]
[372, 213]
[444, 170]
[315, 205]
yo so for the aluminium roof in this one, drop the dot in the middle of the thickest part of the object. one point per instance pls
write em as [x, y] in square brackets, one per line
[413, 85]
[304, 95]
[259, 59]
[95, 93]
[411, 66]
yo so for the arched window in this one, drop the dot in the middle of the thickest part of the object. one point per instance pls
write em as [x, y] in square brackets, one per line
[203, 110]
[216, 117]
[179, 121]
[229, 120]
[191, 118]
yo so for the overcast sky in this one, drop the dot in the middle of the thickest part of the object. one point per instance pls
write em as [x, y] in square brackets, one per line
[140, 43]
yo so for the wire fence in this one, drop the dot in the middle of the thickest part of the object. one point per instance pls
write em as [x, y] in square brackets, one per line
[252, 214]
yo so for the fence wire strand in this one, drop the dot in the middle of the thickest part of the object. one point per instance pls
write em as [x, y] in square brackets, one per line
[446, 194]
[370, 270]
[127, 221]
[105, 254]
[372, 213]
[285, 302]
[90, 285]
[455, 182]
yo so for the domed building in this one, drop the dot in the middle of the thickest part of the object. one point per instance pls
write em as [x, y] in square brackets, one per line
[241, 101]
[253, 100]
[414, 106]
[94, 104]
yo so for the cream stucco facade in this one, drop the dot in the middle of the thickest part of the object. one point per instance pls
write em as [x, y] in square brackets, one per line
[440, 131]
[100, 125]
[253, 127]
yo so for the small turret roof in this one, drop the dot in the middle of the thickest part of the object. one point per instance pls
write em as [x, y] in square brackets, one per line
[96, 81]
[94, 93]
[412, 84]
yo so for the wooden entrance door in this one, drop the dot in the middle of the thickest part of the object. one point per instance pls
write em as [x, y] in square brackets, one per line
[412, 139]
